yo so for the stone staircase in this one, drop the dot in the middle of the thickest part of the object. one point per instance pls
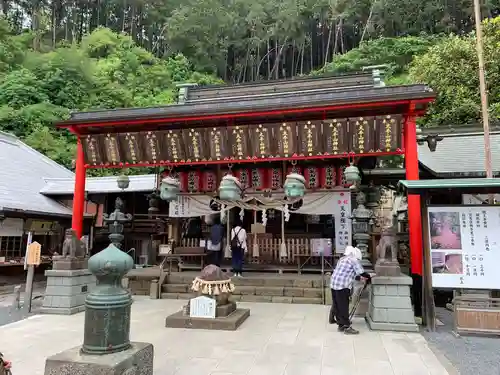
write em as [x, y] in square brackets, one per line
[262, 287]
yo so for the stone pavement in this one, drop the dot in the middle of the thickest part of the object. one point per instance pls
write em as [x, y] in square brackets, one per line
[277, 339]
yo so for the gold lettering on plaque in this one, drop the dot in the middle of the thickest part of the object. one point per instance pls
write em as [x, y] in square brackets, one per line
[388, 122]
[216, 137]
[284, 129]
[91, 146]
[239, 145]
[262, 144]
[196, 148]
[334, 126]
[113, 152]
[152, 145]
[360, 126]
[131, 147]
[309, 136]
[172, 139]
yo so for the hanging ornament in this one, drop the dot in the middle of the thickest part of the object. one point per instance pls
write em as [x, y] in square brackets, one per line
[242, 214]
[169, 188]
[286, 213]
[230, 188]
[295, 185]
[271, 213]
[264, 217]
[352, 175]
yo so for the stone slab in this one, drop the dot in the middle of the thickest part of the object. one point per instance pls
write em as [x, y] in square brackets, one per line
[394, 327]
[67, 273]
[62, 310]
[229, 323]
[138, 360]
[392, 280]
[61, 263]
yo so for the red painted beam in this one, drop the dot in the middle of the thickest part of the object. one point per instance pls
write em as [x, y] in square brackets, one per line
[79, 193]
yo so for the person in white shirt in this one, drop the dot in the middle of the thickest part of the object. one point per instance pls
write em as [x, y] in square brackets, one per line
[238, 247]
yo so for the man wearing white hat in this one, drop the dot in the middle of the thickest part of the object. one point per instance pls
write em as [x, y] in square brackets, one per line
[348, 269]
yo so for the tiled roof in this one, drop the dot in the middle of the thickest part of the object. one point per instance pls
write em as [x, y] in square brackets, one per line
[65, 186]
[22, 173]
[460, 155]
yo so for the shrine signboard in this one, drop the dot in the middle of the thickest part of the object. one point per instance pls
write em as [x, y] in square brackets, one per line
[465, 246]
[34, 255]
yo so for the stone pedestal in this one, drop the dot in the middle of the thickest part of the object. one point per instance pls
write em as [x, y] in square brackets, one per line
[390, 306]
[227, 318]
[137, 360]
[66, 290]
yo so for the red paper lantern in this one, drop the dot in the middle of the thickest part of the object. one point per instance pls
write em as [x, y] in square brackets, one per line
[244, 175]
[312, 177]
[208, 182]
[183, 180]
[275, 178]
[328, 177]
[341, 180]
[258, 179]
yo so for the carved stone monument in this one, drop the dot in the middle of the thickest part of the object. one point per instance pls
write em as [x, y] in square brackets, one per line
[390, 307]
[107, 349]
[69, 280]
[212, 309]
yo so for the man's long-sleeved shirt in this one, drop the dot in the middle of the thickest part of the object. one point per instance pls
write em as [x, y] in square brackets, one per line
[345, 272]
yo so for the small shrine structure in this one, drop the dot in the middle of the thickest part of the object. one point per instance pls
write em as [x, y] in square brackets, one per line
[326, 130]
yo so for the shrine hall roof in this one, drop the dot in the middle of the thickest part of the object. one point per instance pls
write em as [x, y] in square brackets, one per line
[22, 175]
[336, 95]
[461, 154]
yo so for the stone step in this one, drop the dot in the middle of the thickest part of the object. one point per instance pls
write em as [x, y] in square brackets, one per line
[273, 291]
[271, 281]
[252, 298]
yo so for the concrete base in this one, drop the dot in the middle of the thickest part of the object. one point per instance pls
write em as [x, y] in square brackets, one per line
[390, 306]
[229, 323]
[138, 360]
[66, 291]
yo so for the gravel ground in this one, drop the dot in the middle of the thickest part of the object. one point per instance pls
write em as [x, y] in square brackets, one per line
[470, 355]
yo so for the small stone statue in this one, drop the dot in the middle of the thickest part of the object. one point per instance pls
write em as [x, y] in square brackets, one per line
[216, 284]
[72, 246]
[388, 241]
[387, 266]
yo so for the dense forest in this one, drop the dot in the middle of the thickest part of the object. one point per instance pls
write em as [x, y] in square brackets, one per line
[58, 56]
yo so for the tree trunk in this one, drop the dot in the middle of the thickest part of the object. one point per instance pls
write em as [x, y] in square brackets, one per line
[268, 60]
[302, 50]
[330, 31]
[368, 21]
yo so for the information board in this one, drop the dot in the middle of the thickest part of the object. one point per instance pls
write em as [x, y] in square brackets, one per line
[202, 307]
[465, 246]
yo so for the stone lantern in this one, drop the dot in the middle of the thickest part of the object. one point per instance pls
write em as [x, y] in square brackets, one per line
[362, 221]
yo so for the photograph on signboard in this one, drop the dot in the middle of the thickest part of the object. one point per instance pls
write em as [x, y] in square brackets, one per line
[447, 262]
[445, 230]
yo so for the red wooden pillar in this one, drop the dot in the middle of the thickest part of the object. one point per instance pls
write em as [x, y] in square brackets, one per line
[79, 193]
[414, 213]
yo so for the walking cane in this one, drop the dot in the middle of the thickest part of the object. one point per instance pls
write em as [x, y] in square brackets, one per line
[357, 301]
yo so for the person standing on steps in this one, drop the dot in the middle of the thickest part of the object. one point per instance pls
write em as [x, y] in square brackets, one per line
[214, 245]
[348, 269]
[238, 247]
